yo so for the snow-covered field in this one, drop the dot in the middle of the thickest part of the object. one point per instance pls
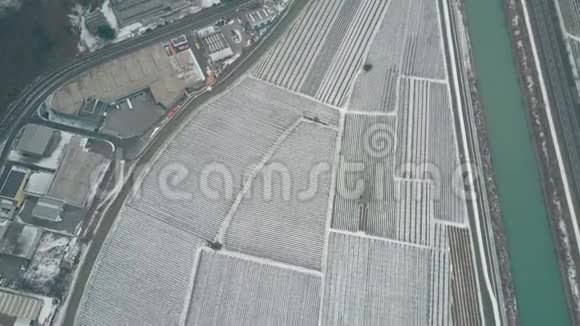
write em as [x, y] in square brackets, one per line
[570, 10]
[322, 54]
[423, 51]
[287, 221]
[222, 144]
[376, 282]
[232, 290]
[142, 274]
[363, 200]
[427, 148]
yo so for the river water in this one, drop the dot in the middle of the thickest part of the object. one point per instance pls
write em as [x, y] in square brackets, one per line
[538, 282]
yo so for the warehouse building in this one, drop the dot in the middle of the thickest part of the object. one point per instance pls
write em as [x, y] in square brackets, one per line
[48, 209]
[17, 309]
[35, 140]
[75, 180]
[38, 183]
[215, 43]
[7, 209]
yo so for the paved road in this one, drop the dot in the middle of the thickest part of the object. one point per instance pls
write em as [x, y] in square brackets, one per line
[149, 152]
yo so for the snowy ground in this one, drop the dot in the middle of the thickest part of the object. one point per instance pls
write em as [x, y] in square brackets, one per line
[49, 306]
[109, 14]
[44, 271]
[87, 41]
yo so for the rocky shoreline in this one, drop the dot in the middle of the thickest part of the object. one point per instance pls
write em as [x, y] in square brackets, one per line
[501, 245]
[558, 210]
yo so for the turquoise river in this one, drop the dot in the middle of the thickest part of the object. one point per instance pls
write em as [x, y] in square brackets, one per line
[538, 282]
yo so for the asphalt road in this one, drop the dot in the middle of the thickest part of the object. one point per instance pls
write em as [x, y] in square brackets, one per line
[152, 149]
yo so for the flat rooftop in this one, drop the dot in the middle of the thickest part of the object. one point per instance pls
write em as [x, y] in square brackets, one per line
[166, 74]
[13, 183]
[77, 174]
[34, 140]
[19, 306]
[38, 183]
[19, 240]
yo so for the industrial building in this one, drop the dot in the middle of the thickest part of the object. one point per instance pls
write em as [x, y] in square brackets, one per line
[18, 309]
[12, 189]
[7, 208]
[38, 183]
[34, 140]
[80, 171]
[215, 43]
[167, 75]
[48, 209]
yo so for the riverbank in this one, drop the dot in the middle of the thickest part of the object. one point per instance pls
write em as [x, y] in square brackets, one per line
[509, 302]
[534, 264]
[558, 209]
